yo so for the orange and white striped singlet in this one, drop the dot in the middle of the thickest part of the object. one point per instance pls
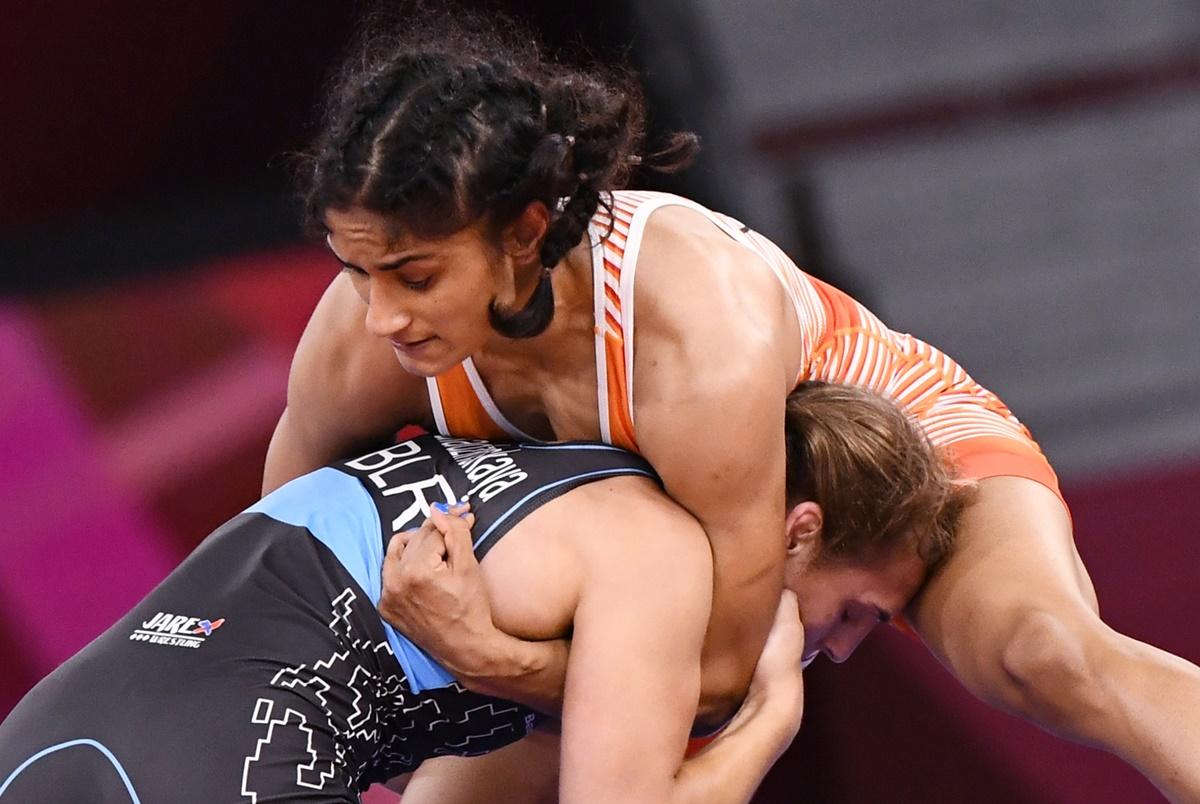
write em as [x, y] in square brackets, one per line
[843, 342]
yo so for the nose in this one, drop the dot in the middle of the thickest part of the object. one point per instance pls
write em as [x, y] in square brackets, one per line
[841, 643]
[386, 314]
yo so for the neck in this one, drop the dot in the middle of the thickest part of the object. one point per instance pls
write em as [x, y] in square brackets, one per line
[573, 316]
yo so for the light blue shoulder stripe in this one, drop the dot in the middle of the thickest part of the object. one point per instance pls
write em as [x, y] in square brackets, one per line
[605, 447]
[133, 797]
[339, 512]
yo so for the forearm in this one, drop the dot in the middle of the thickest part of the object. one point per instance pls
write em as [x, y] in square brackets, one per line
[296, 450]
[286, 459]
[736, 633]
[433, 593]
[731, 768]
[530, 673]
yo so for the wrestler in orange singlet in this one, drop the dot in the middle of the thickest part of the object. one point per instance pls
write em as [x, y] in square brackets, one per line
[465, 187]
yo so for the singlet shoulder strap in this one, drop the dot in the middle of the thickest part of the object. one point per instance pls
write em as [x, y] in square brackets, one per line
[616, 242]
[612, 285]
[616, 234]
[462, 406]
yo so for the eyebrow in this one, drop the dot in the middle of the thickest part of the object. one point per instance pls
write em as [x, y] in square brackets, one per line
[387, 265]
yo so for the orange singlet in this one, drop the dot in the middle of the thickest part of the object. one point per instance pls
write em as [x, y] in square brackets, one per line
[843, 343]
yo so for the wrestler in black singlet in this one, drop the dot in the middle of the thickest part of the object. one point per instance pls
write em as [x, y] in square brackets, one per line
[259, 670]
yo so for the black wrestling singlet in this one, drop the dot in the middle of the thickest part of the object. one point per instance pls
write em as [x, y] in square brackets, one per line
[259, 670]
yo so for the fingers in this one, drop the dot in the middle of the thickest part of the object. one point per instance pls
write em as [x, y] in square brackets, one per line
[785, 643]
[426, 546]
[788, 603]
[460, 549]
[789, 613]
[460, 509]
[789, 609]
[455, 524]
[396, 545]
[445, 536]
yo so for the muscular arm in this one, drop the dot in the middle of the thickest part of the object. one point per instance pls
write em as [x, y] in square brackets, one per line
[634, 678]
[732, 480]
[451, 617]
[728, 770]
[345, 391]
[710, 384]
[610, 556]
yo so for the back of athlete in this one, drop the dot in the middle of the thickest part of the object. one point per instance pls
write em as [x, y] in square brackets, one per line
[259, 670]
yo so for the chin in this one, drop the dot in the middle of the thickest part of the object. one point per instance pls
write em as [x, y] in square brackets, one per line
[428, 365]
[421, 368]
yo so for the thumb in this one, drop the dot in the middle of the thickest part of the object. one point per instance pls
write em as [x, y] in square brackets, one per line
[789, 604]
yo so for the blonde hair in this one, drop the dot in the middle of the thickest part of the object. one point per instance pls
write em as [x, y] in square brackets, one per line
[879, 481]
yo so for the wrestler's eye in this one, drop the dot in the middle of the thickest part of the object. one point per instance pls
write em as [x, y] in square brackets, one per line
[845, 615]
[354, 272]
[417, 284]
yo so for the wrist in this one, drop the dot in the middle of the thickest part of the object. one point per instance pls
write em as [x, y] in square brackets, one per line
[493, 659]
[778, 706]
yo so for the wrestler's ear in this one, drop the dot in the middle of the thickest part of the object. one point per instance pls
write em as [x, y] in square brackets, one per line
[803, 523]
[522, 239]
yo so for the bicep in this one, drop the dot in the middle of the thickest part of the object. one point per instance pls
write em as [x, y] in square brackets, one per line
[731, 478]
[712, 372]
[721, 456]
[633, 677]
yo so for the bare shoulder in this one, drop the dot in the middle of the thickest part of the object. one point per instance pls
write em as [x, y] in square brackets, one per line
[688, 267]
[626, 519]
[630, 513]
[344, 378]
[699, 293]
[622, 530]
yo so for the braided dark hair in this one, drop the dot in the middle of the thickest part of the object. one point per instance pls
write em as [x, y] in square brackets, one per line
[457, 120]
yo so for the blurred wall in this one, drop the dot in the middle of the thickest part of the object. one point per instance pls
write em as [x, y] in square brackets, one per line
[1016, 183]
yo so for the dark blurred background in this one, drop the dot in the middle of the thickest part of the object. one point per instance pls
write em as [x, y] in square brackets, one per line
[1016, 183]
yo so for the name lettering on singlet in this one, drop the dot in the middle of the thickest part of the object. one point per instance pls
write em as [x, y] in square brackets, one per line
[488, 466]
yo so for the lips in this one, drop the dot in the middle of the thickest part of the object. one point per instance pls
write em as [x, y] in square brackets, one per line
[412, 345]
